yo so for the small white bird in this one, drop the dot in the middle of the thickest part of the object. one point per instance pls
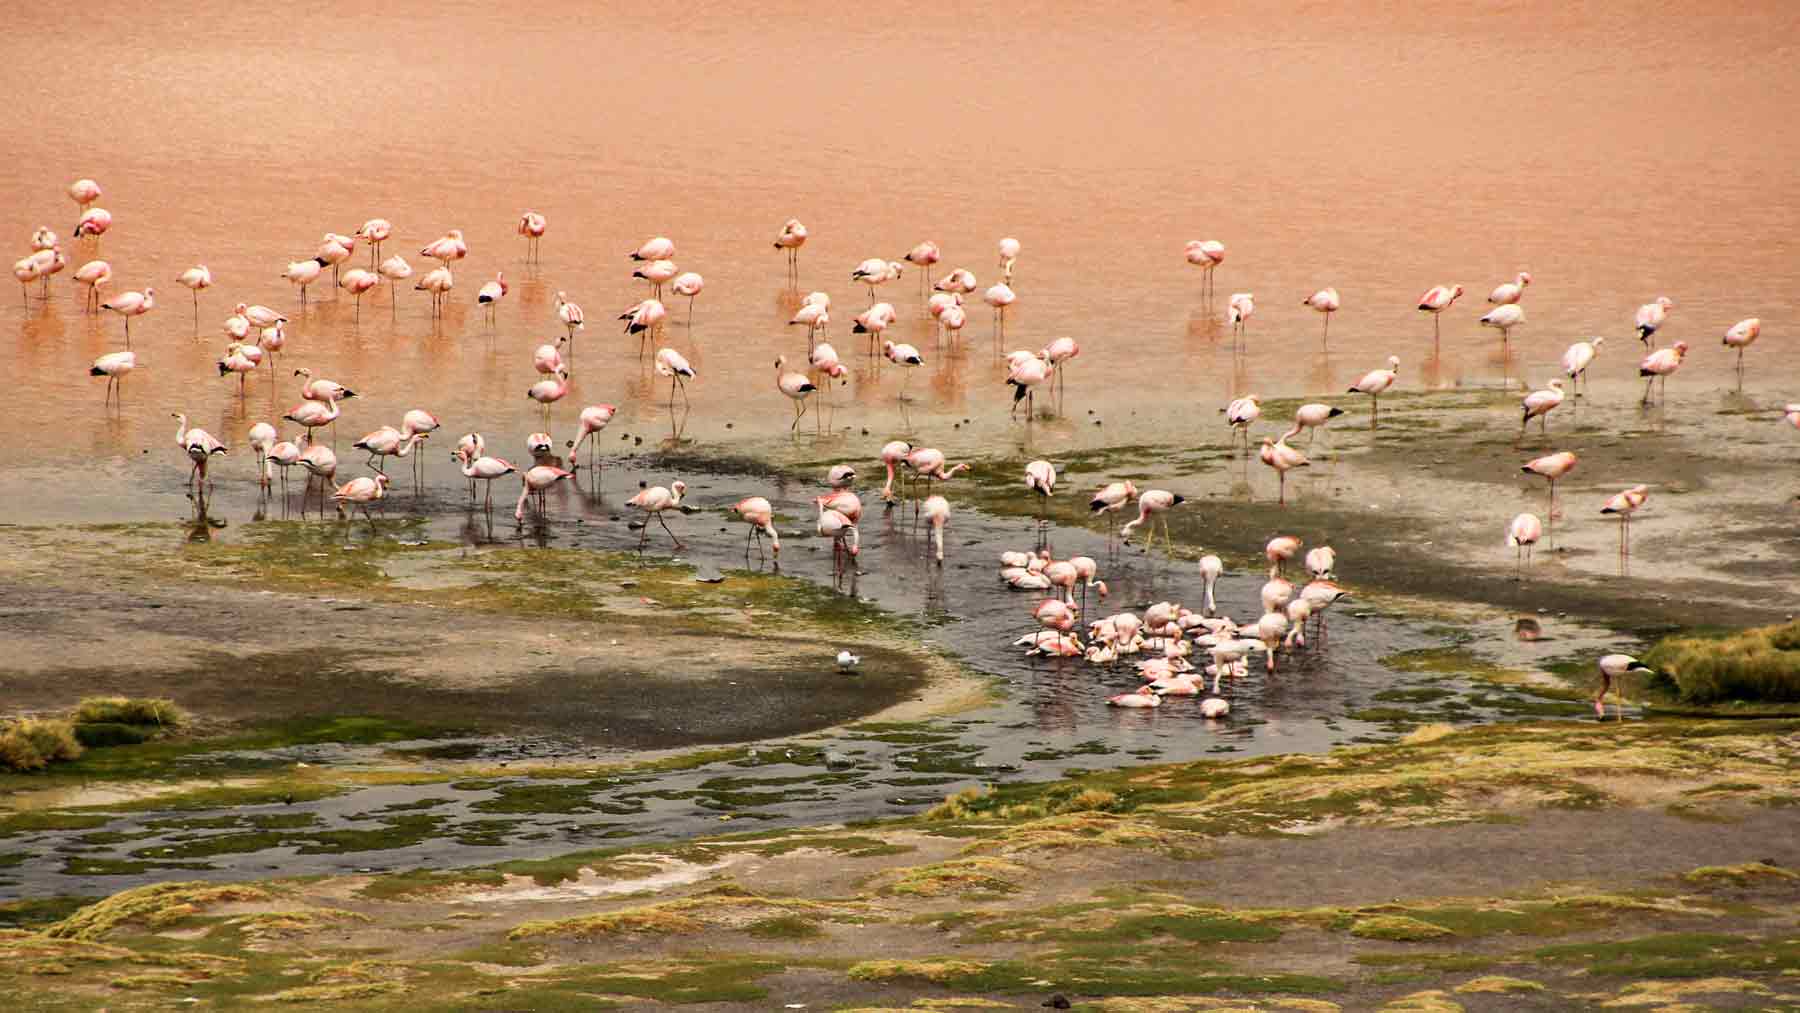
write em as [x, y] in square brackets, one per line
[847, 662]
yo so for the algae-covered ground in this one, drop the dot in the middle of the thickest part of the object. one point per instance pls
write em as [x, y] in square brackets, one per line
[1543, 866]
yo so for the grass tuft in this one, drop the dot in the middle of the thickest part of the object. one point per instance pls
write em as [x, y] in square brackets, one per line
[1397, 929]
[156, 905]
[30, 744]
[1761, 664]
[121, 710]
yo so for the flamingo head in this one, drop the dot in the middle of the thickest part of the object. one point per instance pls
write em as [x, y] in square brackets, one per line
[1665, 302]
[1100, 586]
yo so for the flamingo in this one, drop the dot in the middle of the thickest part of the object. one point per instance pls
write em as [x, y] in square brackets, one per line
[1280, 549]
[114, 366]
[953, 318]
[1040, 478]
[388, 442]
[1740, 336]
[593, 419]
[937, 514]
[438, 281]
[930, 464]
[873, 321]
[1613, 669]
[894, 452]
[376, 231]
[1311, 417]
[94, 222]
[656, 273]
[131, 304]
[759, 514]
[1009, 254]
[314, 414]
[321, 389]
[422, 423]
[27, 270]
[795, 386]
[283, 454]
[1241, 414]
[541, 447]
[93, 274]
[1510, 292]
[271, 340]
[654, 501]
[1283, 458]
[548, 392]
[572, 318]
[1660, 364]
[334, 249]
[1325, 302]
[43, 238]
[1578, 358]
[1151, 503]
[1110, 499]
[841, 476]
[1207, 255]
[1553, 467]
[196, 278]
[1238, 311]
[1504, 319]
[84, 192]
[922, 256]
[1025, 371]
[656, 248]
[1436, 300]
[199, 445]
[301, 273]
[237, 361]
[999, 296]
[1521, 535]
[1539, 404]
[536, 481]
[1143, 696]
[643, 320]
[688, 283]
[1321, 562]
[846, 539]
[872, 272]
[1791, 415]
[491, 293]
[902, 355]
[532, 226]
[1056, 355]
[1652, 315]
[813, 316]
[360, 492]
[1211, 569]
[1376, 382]
[789, 240]
[396, 270]
[479, 467]
[356, 281]
[446, 249]
[547, 359]
[320, 463]
[960, 281]
[673, 365]
[1625, 504]
[824, 358]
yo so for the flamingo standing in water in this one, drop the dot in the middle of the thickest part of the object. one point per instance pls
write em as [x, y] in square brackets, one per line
[261, 438]
[1238, 312]
[302, 273]
[446, 249]
[242, 360]
[1040, 478]
[1436, 300]
[1207, 255]
[1325, 302]
[841, 528]
[873, 321]
[1211, 569]
[199, 445]
[360, 492]
[893, 454]
[334, 250]
[196, 278]
[902, 355]
[548, 392]
[922, 257]
[1009, 255]
[479, 467]
[315, 414]
[93, 274]
[1504, 319]
[357, 281]
[1539, 404]
[94, 223]
[795, 386]
[532, 226]
[1025, 371]
[674, 365]
[688, 283]
[1376, 382]
[654, 501]
[1510, 292]
[1553, 467]
[644, 320]
[759, 514]
[789, 241]
[1613, 670]
[423, 423]
[1578, 358]
[1740, 336]
[1110, 499]
[1240, 415]
[930, 464]
[593, 419]
[1153, 506]
[572, 318]
[824, 358]
[1311, 417]
[1652, 315]
[1660, 364]
[388, 442]
[1283, 458]
[131, 304]
[937, 514]
[872, 272]
[1056, 355]
[657, 272]
[536, 482]
[375, 231]
[813, 316]
[84, 192]
[114, 366]
[655, 248]
[1625, 504]
[271, 340]
[320, 463]
[960, 281]
[491, 293]
[1521, 535]
[438, 281]
[396, 270]
[1000, 296]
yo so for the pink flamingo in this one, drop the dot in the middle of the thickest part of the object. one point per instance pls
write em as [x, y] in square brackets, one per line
[1280, 549]
[814, 317]
[1376, 382]
[846, 539]
[1652, 315]
[1240, 415]
[84, 192]
[688, 283]
[937, 514]
[1539, 404]
[114, 366]
[1553, 467]
[315, 414]
[94, 223]
[1000, 296]
[593, 419]
[375, 231]
[491, 293]
[321, 389]
[872, 272]
[1207, 255]
[396, 270]
[356, 281]
[1436, 300]
[1613, 669]
[199, 445]
[1040, 478]
[446, 249]
[1504, 319]
[360, 492]
[548, 392]
[657, 272]
[196, 278]
[930, 464]
[922, 257]
[1521, 535]
[93, 274]
[1625, 504]
[131, 304]
[479, 467]
[644, 320]
[1152, 503]
[237, 361]
[1009, 255]
[1056, 355]
[572, 318]
[674, 365]
[654, 501]
[438, 281]
[902, 354]
[873, 321]
[794, 386]
[759, 514]
[532, 226]
[1510, 292]
[789, 241]
[1578, 358]
[388, 442]
[1025, 372]
[302, 273]
[1283, 458]
[1110, 499]
[894, 453]
[1740, 336]
[656, 248]
[334, 249]
[547, 359]
[536, 481]
[1325, 302]
[320, 463]
[1659, 365]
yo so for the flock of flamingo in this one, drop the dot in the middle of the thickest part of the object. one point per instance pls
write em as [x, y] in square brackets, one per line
[256, 334]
